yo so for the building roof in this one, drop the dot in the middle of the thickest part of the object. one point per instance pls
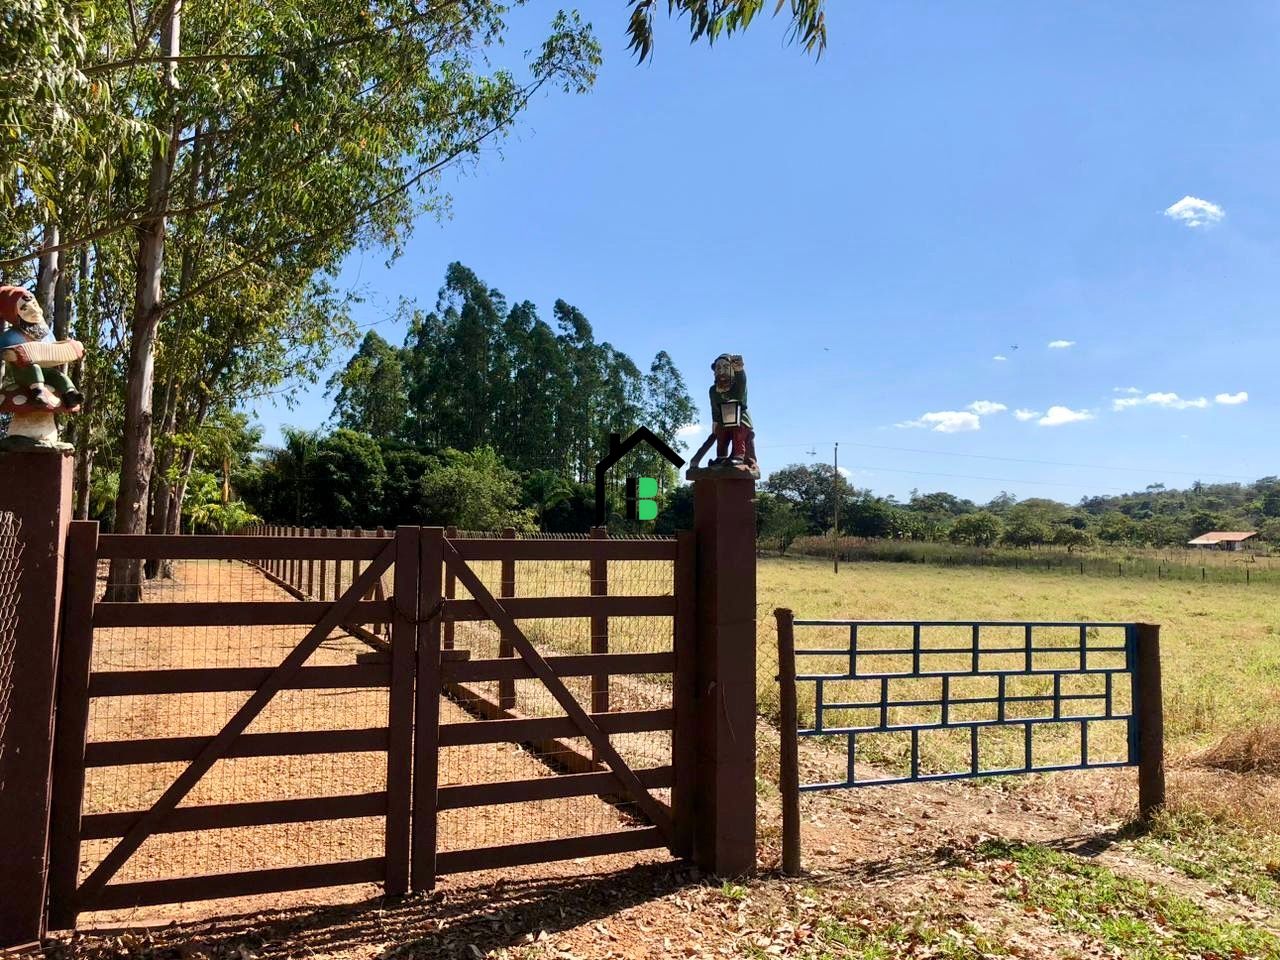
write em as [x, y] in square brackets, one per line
[1220, 536]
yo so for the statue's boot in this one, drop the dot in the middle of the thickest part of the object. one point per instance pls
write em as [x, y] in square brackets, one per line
[72, 401]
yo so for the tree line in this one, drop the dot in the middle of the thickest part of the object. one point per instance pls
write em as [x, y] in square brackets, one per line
[801, 499]
[486, 417]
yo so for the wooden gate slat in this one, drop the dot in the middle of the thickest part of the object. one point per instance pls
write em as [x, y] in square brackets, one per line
[400, 712]
[257, 813]
[119, 896]
[426, 742]
[546, 851]
[588, 728]
[72, 721]
[217, 747]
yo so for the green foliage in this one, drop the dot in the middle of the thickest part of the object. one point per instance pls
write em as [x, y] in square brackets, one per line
[473, 490]
[711, 19]
[370, 390]
[981, 529]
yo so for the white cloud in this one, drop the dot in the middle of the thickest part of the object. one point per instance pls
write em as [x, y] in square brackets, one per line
[1195, 212]
[692, 430]
[1169, 401]
[1131, 391]
[1025, 415]
[946, 421]
[1000, 357]
[985, 408]
[1061, 344]
[1057, 416]
[1232, 399]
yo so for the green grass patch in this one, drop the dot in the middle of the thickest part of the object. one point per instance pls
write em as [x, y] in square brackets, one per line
[867, 939]
[1142, 920]
[1242, 862]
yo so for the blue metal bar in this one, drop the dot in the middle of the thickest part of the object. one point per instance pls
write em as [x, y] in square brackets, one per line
[1000, 697]
[973, 750]
[915, 649]
[817, 707]
[1057, 695]
[1084, 742]
[1028, 629]
[946, 701]
[975, 643]
[1029, 698]
[954, 725]
[1108, 695]
[1084, 647]
[967, 775]
[952, 651]
[962, 623]
[915, 754]
[853, 649]
[936, 674]
[884, 702]
[1026, 745]
[852, 741]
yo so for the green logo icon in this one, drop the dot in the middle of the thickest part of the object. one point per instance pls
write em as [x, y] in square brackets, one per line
[642, 494]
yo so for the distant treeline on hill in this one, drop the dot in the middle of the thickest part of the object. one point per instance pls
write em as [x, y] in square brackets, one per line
[801, 501]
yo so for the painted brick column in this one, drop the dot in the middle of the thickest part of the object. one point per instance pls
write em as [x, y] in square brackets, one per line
[725, 701]
[36, 487]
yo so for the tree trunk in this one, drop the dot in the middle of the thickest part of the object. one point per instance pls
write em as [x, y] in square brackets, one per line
[48, 272]
[124, 581]
[82, 374]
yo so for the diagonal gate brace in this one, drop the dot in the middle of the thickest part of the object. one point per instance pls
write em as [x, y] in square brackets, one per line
[217, 747]
[656, 813]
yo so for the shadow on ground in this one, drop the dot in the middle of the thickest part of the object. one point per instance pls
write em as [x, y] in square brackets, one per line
[447, 923]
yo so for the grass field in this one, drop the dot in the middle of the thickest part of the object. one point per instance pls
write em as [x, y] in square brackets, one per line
[1219, 642]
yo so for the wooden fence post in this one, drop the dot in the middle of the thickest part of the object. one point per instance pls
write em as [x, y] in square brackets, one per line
[72, 726]
[35, 487]
[426, 745]
[507, 585]
[450, 589]
[1149, 710]
[789, 759]
[725, 809]
[404, 644]
[311, 568]
[599, 625]
[684, 749]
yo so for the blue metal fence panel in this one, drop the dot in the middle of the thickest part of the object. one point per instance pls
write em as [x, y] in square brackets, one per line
[1092, 650]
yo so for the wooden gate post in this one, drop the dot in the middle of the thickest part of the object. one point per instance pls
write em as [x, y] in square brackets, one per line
[724, 841]
[1149, 712]
[35, 487]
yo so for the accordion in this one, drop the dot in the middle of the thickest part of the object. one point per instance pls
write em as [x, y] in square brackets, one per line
[44, 353]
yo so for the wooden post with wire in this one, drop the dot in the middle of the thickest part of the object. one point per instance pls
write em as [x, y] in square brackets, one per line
[789, 754]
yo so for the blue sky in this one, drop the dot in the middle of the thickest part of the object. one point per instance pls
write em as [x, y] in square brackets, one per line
[949, 184]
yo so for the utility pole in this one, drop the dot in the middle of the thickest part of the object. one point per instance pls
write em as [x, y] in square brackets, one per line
[835, 484]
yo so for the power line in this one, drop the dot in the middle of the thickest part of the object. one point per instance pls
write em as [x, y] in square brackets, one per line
[1009, 480]
[1047, 463]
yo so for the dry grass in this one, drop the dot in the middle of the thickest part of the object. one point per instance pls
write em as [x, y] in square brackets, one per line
[1255, 750]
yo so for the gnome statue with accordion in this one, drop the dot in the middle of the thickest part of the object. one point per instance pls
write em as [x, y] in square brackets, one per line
[34, 388]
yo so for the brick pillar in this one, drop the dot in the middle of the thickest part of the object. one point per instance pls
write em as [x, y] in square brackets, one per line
[725, 700]
[36, 486]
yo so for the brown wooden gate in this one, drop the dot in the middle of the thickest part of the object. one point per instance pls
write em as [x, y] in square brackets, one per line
[80, 684]
[603, 773]
[417, 675]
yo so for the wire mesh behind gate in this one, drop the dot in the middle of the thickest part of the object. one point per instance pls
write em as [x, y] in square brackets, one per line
[9, 569]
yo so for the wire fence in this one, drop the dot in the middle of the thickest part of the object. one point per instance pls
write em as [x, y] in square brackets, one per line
[10, 560]
[1203, 566]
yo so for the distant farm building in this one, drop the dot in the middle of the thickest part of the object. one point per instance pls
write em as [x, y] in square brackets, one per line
[1220, 540]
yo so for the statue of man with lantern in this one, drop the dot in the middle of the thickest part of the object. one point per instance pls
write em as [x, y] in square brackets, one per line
[731, 429]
